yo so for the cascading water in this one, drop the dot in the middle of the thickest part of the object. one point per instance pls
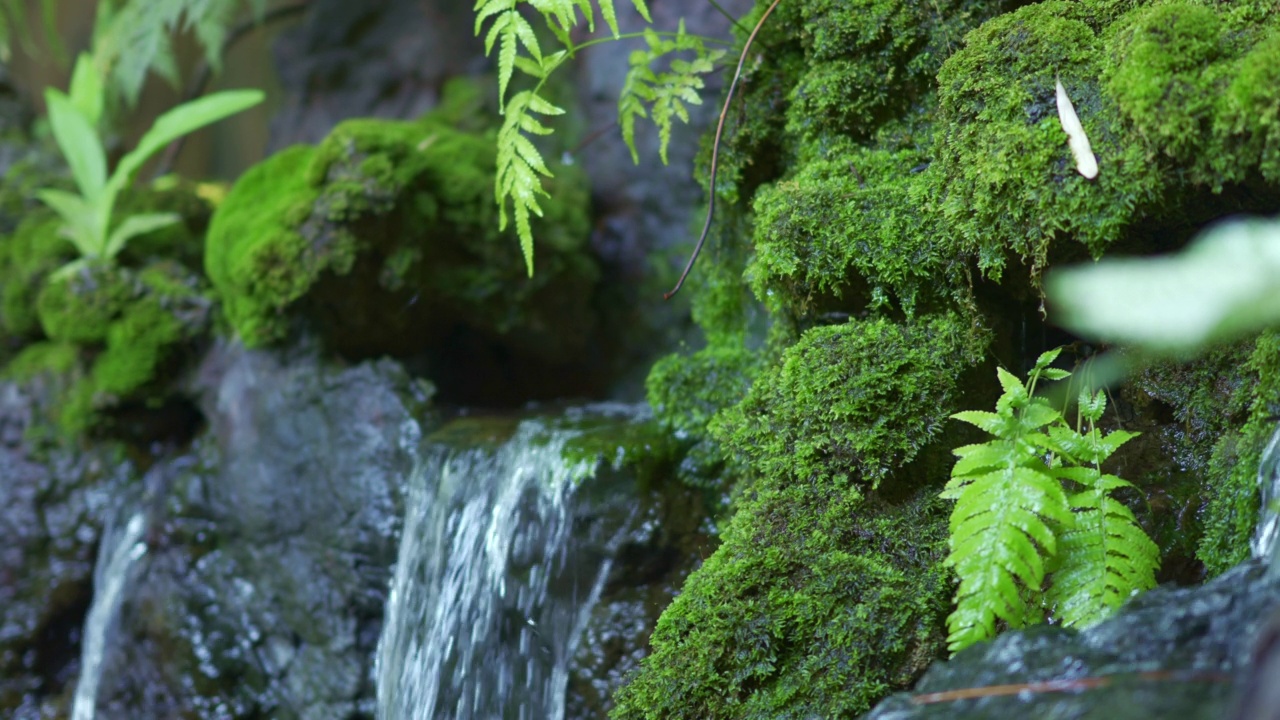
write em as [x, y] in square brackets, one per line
[1267, 531]
[493, 584]
[120, 551]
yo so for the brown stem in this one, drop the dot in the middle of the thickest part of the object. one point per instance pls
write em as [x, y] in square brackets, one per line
[715, 154]
[1052, 686]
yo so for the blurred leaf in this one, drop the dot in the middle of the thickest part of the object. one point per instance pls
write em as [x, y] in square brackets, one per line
[1224, 285]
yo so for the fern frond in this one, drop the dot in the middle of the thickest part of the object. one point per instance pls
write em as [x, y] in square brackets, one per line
[521, 167]
[1001, 529]
[1104, 559]
[133, 37]
[667, 92]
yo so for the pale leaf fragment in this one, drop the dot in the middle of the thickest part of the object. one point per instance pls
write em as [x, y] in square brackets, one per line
[1086, 163]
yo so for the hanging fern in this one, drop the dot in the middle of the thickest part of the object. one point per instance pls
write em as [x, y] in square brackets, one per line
[665, 92]
[521, 167]
[1013, 520]
[132, 37]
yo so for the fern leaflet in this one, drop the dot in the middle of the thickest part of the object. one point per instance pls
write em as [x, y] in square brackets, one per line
[1008, 508]
[520, 165]
[132, 37]
[665, 92]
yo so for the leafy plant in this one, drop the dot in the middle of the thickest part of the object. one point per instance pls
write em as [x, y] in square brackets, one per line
[1222, 286]
[521, 166]
[1015, 525]
[134, 36]
[87, 217]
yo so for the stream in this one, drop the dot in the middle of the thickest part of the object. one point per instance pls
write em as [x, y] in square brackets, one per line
[492, 589]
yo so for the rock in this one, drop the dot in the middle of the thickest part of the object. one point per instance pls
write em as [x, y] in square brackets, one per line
[1172, 652]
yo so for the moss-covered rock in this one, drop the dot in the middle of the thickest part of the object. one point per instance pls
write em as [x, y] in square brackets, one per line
[852, 402]
[1232, 510]
[27, 257]
[817, 603]
[384, 239]
[878, 217]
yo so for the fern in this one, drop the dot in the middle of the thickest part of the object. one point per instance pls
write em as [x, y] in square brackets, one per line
[1007, 505]
[1106, 557]
[1013, 521]
[521, 167]
[665, 92]
[132, 37]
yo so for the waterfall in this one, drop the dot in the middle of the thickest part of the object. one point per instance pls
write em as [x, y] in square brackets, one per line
[1263, 543]
[492, 587]
[120, 550]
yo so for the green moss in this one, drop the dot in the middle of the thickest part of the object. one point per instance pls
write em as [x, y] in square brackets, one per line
[172, 312]
[1007, 182]
[817, 603]
[850, 228]
[79, 306]
[852, 401]
[1231, 513]
[34, 250]
[255, 256]
[384, 238]
[59, 358]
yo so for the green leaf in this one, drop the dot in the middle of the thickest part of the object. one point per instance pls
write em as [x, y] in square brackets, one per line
[86, 90]
[79, 143]
[136, 225]
[1055, 374]
[1220, 287]
[180, 121]
[79, 219]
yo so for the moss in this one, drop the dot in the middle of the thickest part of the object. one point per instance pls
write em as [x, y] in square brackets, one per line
[817, 603]
[850, 227]
[852, 401]
[34, 250]
[254, 255]
[79, 306]
[384, 238]
[1231, 513]
[171, 313]
[60, 358]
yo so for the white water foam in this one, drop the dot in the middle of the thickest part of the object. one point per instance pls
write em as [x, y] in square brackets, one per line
[120, 551]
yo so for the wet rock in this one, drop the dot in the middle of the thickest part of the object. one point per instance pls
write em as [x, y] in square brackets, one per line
[54, 502]
[1172, 652]
[263, 589]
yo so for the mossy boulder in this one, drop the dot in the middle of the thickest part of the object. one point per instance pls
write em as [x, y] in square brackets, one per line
[27, 257]
[384, 239]
[126, 329]
[819, 602]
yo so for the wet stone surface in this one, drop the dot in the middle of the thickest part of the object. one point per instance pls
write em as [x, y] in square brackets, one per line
[1173, 652]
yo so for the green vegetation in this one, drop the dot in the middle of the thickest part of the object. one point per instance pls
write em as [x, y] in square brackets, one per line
[1013, 522]
[385, 236]
[87, 217]
[521, 166]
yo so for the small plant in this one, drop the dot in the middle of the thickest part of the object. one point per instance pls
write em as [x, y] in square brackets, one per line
[87, 217]
[1032, 503]
[521, 166]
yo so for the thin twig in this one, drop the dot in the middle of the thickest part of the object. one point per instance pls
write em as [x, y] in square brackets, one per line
[715, 154]
[1062, 686]
[205, 72]
[720, 9]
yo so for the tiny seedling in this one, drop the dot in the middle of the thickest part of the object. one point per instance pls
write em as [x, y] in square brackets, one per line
[87, 216]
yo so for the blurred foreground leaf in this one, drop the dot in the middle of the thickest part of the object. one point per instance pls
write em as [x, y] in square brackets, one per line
[1225, 284]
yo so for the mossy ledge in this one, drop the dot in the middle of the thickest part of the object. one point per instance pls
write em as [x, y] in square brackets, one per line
[898, 166]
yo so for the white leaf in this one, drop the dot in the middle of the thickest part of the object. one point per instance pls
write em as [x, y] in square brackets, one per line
[1086, 163]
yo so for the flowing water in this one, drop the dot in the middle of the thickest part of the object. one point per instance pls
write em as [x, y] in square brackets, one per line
[494, 581]
[1267, 531]
[119, 553]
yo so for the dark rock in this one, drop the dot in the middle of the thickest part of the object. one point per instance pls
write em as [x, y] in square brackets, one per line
[1170, 653]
